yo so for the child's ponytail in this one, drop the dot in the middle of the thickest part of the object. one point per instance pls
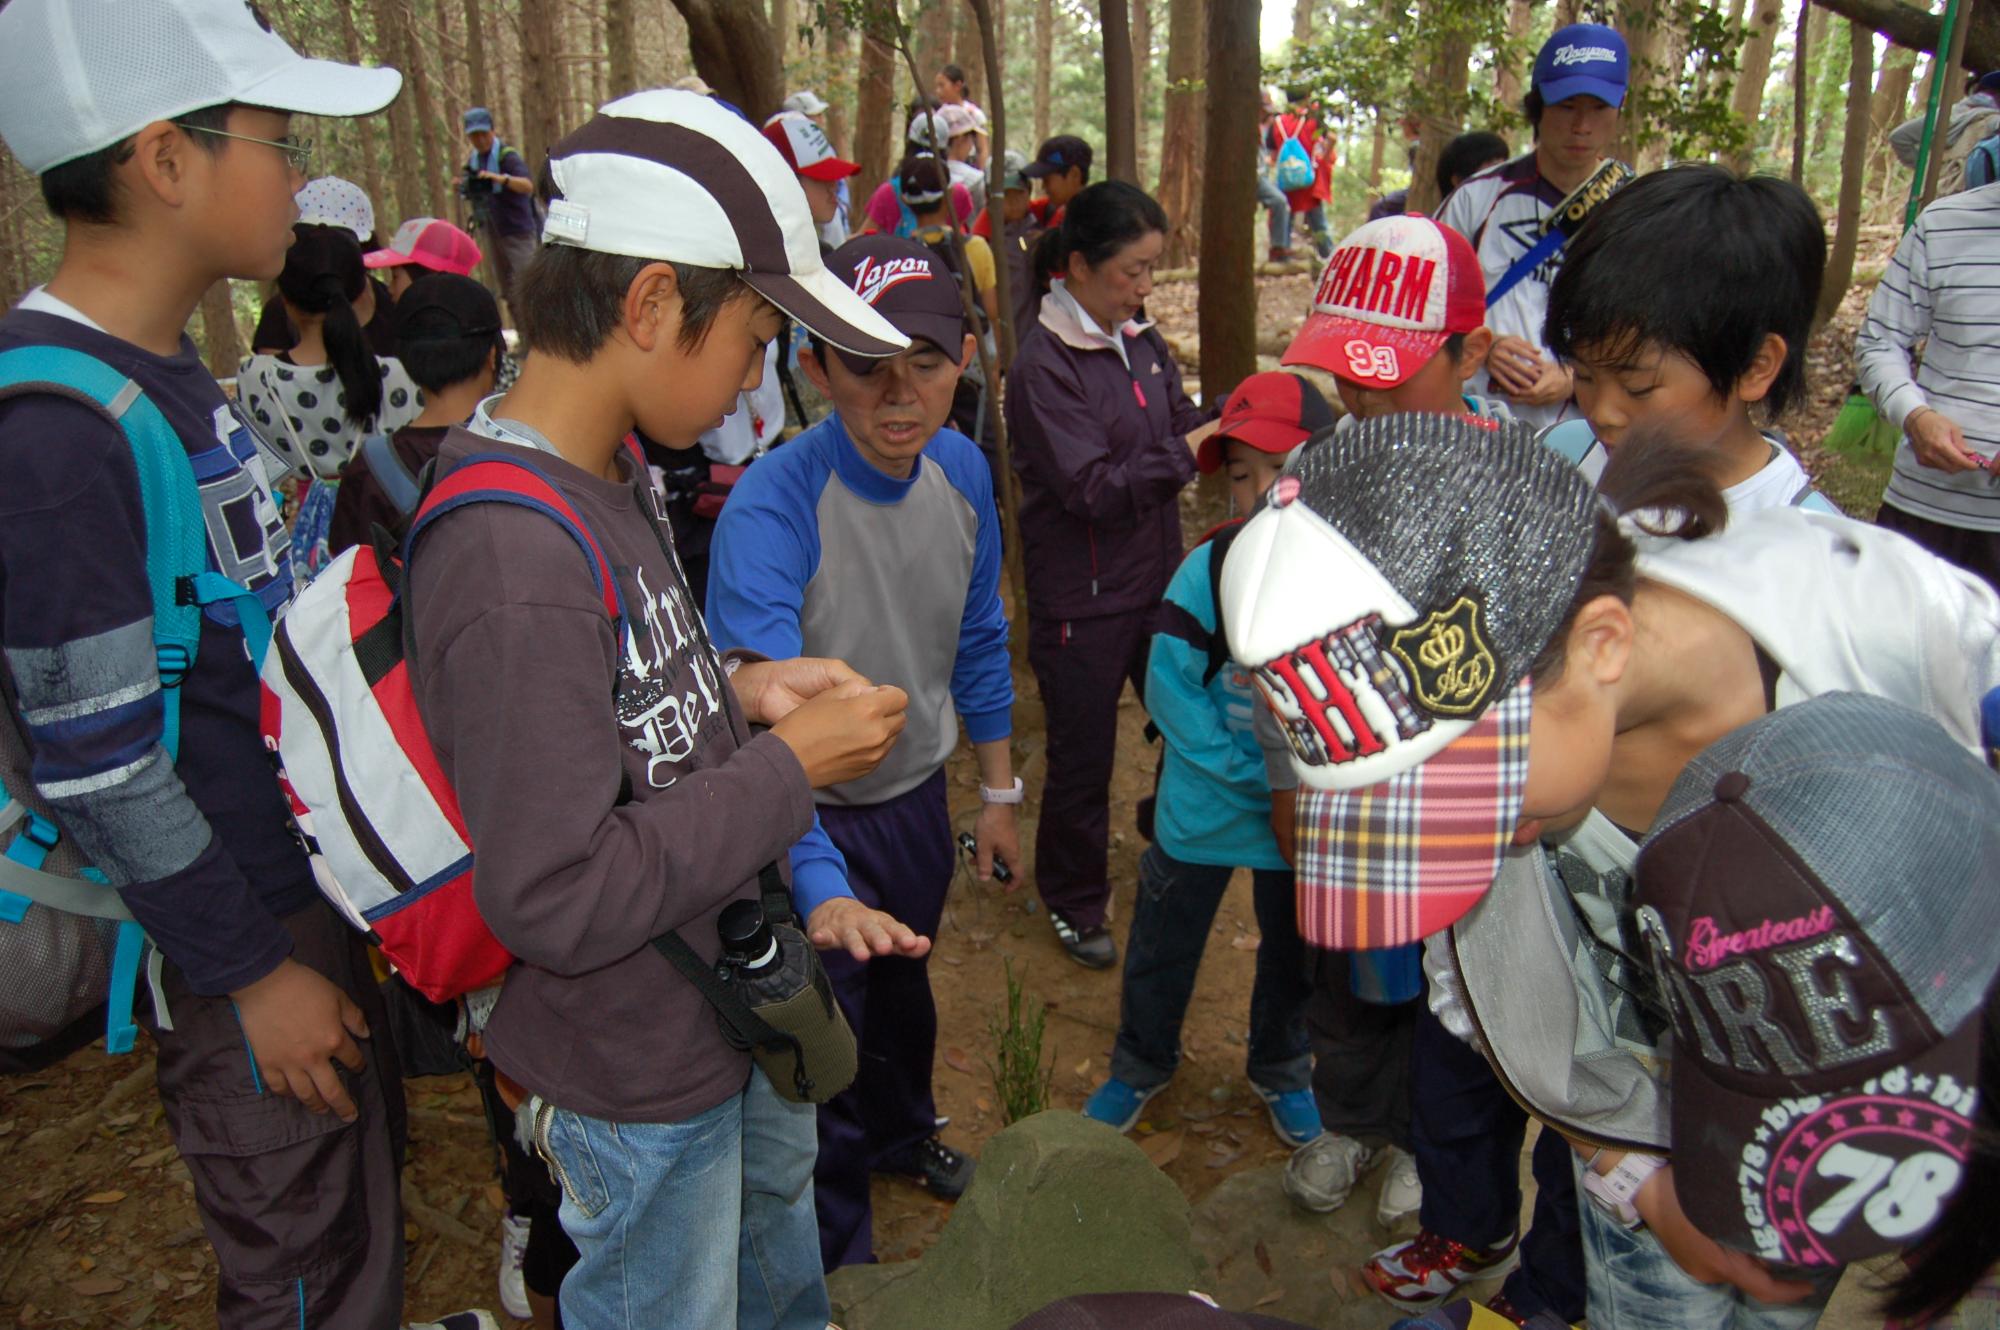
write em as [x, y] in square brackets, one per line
[324, 275]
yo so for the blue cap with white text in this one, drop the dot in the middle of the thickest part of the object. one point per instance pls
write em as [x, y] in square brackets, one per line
[1583, 60]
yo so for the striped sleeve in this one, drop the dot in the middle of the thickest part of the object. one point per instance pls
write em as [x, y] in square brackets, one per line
[1899, 315]
[76, 630]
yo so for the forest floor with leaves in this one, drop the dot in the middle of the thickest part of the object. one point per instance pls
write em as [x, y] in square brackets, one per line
[97, 1222]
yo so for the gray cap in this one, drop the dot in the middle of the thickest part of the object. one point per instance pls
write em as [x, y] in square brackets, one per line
[805, 102]
[1818, 902]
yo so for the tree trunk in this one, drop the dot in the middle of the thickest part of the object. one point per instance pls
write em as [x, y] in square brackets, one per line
[1907, 25]
[1442, 116]
[371, 165]
[1181, 138]
[1227, 292]
[1853, 172]
[1567, 12]
[931, 43]
[475, 55]
[1644, 41]
[1892, 96]
[1801, 89]
[621, 48]
[969, 55]
[418, 80]
[541, 122]
[1045, 58]
[1121, 122]
[1825, 43]
[875, 134]
[736, 53]
[1142, 80]
[1377, 151]
[1507, 85]
[1302, 24]
[839, 46]
[219, 336]
[1954, 87]
[784, 26]
[403, 150]
[1754, 65]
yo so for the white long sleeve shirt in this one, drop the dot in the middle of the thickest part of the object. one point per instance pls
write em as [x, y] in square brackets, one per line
[1941, 289]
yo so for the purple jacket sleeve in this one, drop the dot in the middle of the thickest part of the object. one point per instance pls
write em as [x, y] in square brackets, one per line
[1061, 437]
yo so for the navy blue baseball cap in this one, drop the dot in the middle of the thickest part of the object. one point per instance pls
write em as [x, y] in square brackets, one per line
[1058, 155]
[477, 119]
[1583, 60]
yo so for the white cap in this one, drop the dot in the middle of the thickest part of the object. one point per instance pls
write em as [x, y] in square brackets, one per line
[805, 102]
[331, 201]
[952, 120]
[676, 176]
[80, 75]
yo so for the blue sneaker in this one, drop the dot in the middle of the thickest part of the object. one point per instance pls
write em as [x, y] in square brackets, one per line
[1117, 1104]
[1294, 1114]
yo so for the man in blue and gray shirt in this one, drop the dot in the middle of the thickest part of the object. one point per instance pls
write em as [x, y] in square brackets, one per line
[873, 538]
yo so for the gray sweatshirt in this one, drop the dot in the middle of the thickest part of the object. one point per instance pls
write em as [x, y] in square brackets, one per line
[543, 724]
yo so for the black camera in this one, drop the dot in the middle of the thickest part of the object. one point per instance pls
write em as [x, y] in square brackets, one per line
[970, 848]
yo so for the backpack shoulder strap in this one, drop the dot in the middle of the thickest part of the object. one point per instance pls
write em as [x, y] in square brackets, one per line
[386, 465]
[1218, 640]
[176, 534]
[504, 478]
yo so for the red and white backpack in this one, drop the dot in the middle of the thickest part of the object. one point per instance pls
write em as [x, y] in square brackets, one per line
[381, 822]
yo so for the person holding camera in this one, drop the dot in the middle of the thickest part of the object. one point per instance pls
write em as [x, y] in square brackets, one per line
[500, 189]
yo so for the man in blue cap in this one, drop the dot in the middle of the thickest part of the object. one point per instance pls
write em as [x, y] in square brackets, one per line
[501, 190]
[1573, 105]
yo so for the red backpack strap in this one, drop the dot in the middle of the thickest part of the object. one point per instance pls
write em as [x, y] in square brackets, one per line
[505, 478]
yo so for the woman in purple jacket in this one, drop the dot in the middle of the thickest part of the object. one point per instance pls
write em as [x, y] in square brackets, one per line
[1104, 441]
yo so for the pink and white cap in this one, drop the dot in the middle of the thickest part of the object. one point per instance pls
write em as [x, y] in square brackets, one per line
[1390, 296]
[428, 242]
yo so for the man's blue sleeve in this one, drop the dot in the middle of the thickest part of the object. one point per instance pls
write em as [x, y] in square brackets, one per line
[765, 551]
[982, 676]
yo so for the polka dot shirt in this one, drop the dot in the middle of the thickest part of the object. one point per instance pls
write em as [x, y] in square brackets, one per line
[299, 412]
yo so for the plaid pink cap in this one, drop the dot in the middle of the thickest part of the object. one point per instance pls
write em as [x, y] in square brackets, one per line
[430, 243]
[1388, 864]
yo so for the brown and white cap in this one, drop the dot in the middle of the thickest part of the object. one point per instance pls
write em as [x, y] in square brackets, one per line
[678, 177]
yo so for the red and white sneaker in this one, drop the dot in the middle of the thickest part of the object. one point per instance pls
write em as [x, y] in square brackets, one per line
[1419, 1274]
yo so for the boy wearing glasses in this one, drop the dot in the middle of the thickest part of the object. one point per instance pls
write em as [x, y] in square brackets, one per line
[276, 1074]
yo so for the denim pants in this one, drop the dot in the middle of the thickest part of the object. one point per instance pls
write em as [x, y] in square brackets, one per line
[1170, 927]
[1635, 1285]
[1277, 212]
[705, 1222]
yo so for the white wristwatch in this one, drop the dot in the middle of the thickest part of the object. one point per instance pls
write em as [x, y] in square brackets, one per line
[1612, 1192]
[1016, 795]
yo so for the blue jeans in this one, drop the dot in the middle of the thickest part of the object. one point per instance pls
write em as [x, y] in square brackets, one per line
[705, 1222]
[1634, 1285]
[1170, 927]
[1278, 212]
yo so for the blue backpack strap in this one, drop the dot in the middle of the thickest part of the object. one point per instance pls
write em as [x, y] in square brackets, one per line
[386, 465]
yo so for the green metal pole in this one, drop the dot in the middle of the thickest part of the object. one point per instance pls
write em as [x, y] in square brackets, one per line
[1938, 69]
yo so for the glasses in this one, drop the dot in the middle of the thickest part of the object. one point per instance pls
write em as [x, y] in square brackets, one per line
[298, 151]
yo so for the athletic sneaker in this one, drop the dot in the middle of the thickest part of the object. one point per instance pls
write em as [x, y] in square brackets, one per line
[1117, 1103]
[1402, 1193]
[1427, 1269]
[466, 1320]
[1092, 948]
[941, 1170]
[513, 1251]
[1294, 1114]
[1322, 1172]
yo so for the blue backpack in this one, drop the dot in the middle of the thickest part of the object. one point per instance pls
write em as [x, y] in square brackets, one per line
[1295, 166]
[1982, 166]
[67, 942]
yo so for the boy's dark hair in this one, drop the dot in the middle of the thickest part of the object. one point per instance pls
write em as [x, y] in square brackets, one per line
[569, 301]
[1532, 107]
[323, 275]
[923, 173]
[953, 74]
[82, 189]
[431, 343]
[1454, 347]
[1699, 261]
[1465, 155]
[1101, 220]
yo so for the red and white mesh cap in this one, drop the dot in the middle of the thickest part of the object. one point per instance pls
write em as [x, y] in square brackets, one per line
[428, 242]
[79, 75]
[806, 148]
[1391, 294]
